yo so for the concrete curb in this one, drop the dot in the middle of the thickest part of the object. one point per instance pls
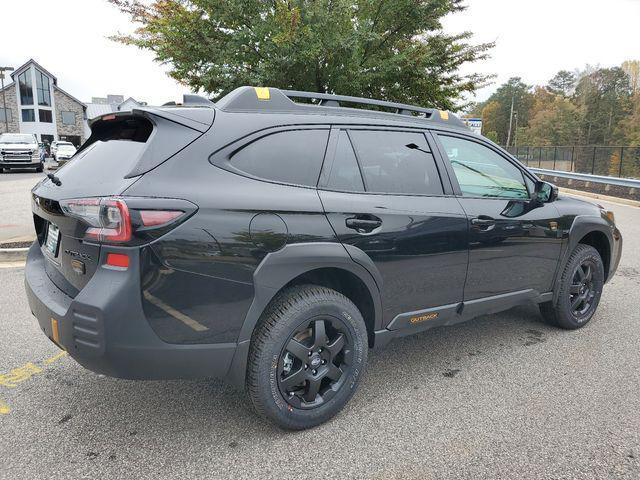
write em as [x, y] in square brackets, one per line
[12, 255]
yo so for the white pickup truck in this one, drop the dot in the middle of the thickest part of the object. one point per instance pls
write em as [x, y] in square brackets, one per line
[20, 150]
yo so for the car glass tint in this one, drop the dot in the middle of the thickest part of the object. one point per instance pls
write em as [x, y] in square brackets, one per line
[345, 174]
[481, 172]
[290, 157]
[389, 165]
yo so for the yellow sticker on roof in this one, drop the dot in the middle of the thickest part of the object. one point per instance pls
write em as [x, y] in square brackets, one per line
[444, 115]
[263, 93]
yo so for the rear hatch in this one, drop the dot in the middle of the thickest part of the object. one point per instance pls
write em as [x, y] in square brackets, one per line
[121, 149]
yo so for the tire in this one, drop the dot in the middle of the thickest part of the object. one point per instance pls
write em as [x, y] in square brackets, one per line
[288, 337]
[578, 290]
[40, 168]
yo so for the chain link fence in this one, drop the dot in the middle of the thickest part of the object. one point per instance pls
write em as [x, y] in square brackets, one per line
[622, 162]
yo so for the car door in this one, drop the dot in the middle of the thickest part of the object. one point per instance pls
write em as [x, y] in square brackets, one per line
[383, 194]
[514, 240]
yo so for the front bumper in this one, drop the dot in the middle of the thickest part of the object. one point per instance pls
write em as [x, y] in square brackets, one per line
[104, 328]
[17, 165]
[616, 253]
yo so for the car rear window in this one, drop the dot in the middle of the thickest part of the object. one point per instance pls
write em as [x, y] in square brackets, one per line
[293, 156]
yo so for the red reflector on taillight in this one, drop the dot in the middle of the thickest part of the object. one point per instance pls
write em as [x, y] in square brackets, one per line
[151, 218]
[118, 260]
[109, 117]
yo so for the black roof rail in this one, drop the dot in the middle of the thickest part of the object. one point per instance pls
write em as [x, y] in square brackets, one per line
[331, 100]
[268, 99]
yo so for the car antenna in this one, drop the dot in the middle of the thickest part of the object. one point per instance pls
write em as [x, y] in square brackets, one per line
[54, 179]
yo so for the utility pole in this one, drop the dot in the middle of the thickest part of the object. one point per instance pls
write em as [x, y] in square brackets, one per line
[4, 100]
[515, 134]
[513, 94]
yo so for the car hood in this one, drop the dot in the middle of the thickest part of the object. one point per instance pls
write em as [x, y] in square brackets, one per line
[18, 146]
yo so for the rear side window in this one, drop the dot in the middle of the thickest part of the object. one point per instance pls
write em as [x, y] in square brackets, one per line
[293, 156]
[389, 165]
[345, 174]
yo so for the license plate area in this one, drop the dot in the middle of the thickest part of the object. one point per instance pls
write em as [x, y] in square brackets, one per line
[52, 240]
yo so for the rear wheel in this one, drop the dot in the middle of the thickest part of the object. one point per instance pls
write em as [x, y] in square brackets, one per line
[578, 291]
[40, 168]
[307, 356]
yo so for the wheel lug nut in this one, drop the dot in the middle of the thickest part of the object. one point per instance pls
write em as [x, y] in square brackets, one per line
[324, 362]
[314, 372]
[319, 350]
[306, 366]
[308, 354]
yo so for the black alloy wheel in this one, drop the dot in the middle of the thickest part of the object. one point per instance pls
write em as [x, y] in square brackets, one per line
[582, 292]
[578, 290]
[307, 356]
[315, 362]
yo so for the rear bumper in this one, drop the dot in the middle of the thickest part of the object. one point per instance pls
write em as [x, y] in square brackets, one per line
[104, 328]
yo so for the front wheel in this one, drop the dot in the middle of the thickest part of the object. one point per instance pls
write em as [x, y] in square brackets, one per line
[578, 291]
[40, 168]
[307, 356]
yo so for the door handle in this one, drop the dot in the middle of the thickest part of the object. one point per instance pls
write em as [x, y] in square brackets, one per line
[483, 222]
[363, 224]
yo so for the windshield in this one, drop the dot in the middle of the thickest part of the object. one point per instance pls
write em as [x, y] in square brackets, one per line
[66, 148]
[16, 138]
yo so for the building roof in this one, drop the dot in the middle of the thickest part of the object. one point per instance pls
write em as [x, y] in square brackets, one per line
[97, 109]
[30, 62]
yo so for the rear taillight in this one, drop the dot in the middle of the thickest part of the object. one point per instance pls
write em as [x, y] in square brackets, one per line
[113, 220]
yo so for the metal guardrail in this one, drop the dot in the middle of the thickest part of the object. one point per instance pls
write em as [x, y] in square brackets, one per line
[585, 177]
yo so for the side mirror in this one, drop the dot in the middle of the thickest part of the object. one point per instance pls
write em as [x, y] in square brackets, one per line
[545, 192]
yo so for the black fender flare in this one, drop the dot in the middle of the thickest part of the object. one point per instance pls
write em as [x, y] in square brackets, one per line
[280, 267]
[581, 226]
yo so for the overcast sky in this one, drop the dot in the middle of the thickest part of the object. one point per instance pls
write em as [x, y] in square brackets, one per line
[534, 39]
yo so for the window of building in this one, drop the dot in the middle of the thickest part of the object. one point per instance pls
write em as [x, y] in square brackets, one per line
[28, 115]
[345, 174]
[45, 116]
[389, 165]
[481, 172]
[68, 118]
[291, 157]
[5, 115]
[26, 87]
[42, 87]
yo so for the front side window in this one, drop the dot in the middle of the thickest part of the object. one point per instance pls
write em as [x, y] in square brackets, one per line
[396, 162]
[45, 116]
[26, 88]
[28, 115]
[290, 157]
[481, 172]
[42, 86]
[68, 118]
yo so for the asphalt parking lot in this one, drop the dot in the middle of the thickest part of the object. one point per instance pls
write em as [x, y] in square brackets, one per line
[503, 396]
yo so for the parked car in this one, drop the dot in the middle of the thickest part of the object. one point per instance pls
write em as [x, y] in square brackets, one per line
[57, 145]
[64, 152]
[19, 151]
[273, 243]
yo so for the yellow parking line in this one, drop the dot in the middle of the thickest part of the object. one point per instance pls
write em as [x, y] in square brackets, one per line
[57, 356]
[188, 321]
[4, 408]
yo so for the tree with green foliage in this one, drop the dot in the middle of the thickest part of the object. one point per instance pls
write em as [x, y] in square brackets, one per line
[497, 109]
[603, 98]
[372, 48]
[563, 83]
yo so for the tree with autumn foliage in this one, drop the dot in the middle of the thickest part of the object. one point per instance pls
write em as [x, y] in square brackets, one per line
[372, 48]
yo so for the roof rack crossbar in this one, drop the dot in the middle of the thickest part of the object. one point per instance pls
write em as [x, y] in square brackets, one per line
[328, 99]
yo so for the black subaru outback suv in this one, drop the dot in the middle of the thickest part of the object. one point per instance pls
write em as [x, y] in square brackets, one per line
[273, 242]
